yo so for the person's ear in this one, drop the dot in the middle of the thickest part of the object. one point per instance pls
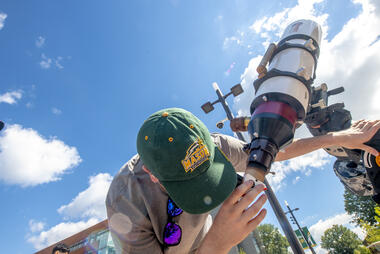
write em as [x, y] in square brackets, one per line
[152, 177]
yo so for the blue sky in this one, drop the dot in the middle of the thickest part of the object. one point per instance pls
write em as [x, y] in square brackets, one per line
[78, 78]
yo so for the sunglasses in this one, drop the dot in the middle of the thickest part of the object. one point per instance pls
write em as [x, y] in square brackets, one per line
[172, 231]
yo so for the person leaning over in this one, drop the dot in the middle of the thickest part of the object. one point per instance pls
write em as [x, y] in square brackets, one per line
[159, 202]
[61, 248]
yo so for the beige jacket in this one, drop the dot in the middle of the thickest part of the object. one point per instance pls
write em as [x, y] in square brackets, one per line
[136, 207]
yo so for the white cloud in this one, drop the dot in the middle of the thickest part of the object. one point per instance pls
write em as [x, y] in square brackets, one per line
[11, 97]
[36, 226]
[318, 249]
[218, 18]
[305, 164]
[243, 101]
[45, 62]
[40, 42]
[58, 62]
[90, 202]
[56, 111]
[59, 232]
[348, 60]
[308, 172]
[257, 26]
[28, 159]
[318, 229]
[3, 16]
[231, 40]
[321, 226]
[88, 207]
[270, 28]
[295, 180]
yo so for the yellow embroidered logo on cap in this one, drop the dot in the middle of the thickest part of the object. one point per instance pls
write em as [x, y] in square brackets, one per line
[196, 154]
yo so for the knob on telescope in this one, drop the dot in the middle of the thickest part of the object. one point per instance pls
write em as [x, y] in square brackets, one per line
[335, 91]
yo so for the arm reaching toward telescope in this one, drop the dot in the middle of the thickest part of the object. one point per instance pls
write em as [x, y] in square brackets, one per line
[352, 138]
[360, 132]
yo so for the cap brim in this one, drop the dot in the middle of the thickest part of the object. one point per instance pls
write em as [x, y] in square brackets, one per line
[207, 190]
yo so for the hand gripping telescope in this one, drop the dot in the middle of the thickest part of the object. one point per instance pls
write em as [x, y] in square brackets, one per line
[359, 171]
[282, 94]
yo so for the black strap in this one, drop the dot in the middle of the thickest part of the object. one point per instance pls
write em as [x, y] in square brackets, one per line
[276, 72]
[283, 44]
[288, 45]
[302, 37]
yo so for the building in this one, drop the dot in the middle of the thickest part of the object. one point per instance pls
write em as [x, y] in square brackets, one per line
[97, 240]
[93, 240]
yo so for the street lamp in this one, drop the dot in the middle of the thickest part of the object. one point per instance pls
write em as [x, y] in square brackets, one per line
[235, 91]
[294, 220]
[208, 106]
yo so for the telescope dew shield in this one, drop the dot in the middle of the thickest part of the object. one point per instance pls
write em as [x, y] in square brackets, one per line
[282, 95]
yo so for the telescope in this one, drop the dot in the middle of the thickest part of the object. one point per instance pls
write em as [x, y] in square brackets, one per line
[285, 99]
[282, 94]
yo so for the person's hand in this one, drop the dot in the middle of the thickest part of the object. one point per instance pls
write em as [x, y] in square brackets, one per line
[234, 220]
[359, 133]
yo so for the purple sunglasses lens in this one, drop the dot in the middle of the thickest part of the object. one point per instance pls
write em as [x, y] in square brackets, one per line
[172, 234]
[173, 210]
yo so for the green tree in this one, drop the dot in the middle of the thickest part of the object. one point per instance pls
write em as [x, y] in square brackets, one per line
[373, 231]
[274, 242]
[362, 250]
[361, 208]
[340, 240]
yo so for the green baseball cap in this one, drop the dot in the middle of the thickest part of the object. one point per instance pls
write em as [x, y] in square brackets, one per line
[177, 148]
